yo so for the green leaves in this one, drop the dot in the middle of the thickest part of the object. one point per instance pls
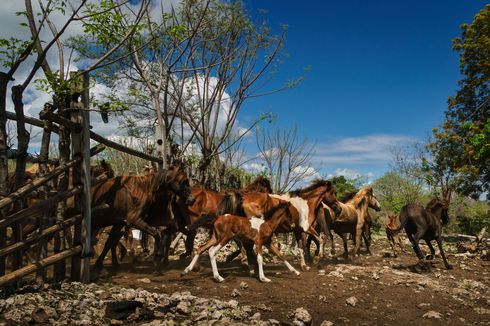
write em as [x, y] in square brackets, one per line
[462, 142]
[11, 49]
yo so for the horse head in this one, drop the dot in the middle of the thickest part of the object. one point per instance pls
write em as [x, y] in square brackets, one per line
[105, 167]
[440, 209]
[330, 198]
[373, 201]
[178, 182]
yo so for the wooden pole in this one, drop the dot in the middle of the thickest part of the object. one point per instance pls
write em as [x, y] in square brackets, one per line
[41, 249]
[81, 176]
[61, 256]
[4, 191]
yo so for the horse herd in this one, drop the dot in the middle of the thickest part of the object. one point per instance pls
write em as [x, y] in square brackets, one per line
[164, 203]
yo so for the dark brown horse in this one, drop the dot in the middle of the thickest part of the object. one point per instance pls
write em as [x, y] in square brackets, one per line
[142, 202]
[425, 223]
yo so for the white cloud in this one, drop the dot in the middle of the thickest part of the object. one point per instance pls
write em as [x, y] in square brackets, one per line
[367, 149]
[350, 174]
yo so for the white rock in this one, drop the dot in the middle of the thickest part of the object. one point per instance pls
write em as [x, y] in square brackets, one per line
[352, 301]
[431, 314]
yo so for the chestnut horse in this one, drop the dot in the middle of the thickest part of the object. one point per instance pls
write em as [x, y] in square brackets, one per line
[257, 230]
[306, 201]
[207, 202]
[352, 218]
[393, 237]
[143, 202]
[425, 223]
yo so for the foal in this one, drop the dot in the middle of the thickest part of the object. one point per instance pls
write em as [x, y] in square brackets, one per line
[254, 229]
[393, 237]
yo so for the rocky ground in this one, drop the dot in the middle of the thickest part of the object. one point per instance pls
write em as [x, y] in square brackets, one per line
[370, 290]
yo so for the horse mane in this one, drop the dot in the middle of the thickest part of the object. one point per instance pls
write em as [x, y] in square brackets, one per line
[348, 196]
[260, 184]
[315, 184]
[432, 204]
[100, 168]
[359, 196]
[232, 203]
[267, 215]
[146, 187]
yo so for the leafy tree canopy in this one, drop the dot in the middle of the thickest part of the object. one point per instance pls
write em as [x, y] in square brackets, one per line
[464, 137]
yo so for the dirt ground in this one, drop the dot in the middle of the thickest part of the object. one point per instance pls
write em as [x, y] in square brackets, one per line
[387, 290]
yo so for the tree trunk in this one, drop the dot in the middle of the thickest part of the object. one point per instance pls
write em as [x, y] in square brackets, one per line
[20, 167]
[64, 149]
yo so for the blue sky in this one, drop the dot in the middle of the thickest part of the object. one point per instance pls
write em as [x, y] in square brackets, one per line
[381, 73]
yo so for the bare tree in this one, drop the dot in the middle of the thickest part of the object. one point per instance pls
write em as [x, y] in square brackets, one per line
[417, 162]
[287, 159]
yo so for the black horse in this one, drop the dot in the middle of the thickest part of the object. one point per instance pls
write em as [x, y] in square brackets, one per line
[425, 223]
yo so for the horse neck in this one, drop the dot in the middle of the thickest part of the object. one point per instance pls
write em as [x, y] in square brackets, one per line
[363, 207]
[313, 197]
[276, 220]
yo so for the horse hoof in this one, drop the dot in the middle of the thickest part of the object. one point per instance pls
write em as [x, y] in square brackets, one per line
[219, 279]
[449, 266]
[305, 268]
[297, 273]
[429, 257]
[265, 280]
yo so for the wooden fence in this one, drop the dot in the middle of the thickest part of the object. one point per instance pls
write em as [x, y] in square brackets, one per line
[47, 195]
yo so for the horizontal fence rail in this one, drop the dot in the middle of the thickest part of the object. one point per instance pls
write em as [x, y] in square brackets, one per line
[93, 136]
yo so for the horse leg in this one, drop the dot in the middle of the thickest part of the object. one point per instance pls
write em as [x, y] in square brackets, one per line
[391, 240]
[161, 250]
[398, 240]
[189, 244]
[366, 235]
[301, 246]
[235, 253]
[358, 237]
[260, 262]
[114, 237]
[212, 257]
[416, 238]
[346, 249]
[279, 254]
[432, 251]
[211, 242]
[439, 244]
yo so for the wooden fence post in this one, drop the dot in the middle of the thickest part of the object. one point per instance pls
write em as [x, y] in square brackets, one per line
[81, 175]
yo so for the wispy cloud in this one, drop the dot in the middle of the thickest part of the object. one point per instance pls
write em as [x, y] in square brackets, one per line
[362, 150]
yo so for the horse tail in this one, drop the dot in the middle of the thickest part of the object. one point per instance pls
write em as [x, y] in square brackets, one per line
[232, 203]
[208, 218]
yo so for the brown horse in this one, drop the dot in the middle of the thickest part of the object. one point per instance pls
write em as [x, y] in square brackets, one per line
[352, 218]
[257, 230]
[142, 202]
[306, 201]
[95, 171]
[393, 237]
[425, 223]
[207, 202]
